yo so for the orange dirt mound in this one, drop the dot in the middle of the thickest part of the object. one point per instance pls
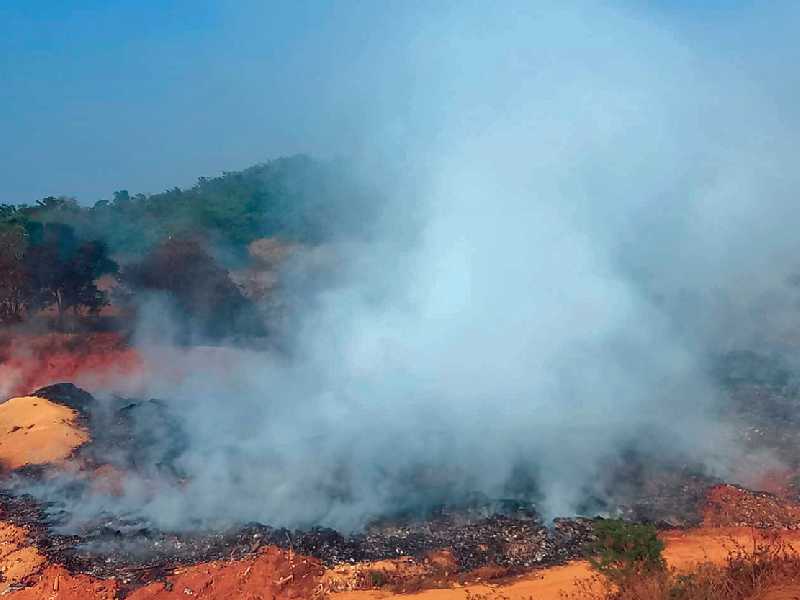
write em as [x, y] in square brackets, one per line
[56, 583]
[36, 431]
[273, 574]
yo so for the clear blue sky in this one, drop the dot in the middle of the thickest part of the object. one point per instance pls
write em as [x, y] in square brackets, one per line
[98, 95]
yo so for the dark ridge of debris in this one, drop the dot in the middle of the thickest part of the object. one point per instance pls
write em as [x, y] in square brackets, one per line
[764, 403]
[134, 435]
[665, 497]
[510, 541]
[131, 434]
[71, 396]
[135, 554]
[129, 552]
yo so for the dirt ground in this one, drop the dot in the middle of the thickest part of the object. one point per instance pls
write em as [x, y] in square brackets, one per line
[783, 592]
[56, 583]
[273, 574]
[18, 558]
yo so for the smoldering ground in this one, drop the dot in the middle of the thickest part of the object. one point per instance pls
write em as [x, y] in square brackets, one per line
[581, 207]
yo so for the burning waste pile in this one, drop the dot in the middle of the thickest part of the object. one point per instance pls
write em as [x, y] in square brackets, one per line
[68, 508]
[128, 546]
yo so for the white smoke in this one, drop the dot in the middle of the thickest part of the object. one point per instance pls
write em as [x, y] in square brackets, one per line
[600, 201]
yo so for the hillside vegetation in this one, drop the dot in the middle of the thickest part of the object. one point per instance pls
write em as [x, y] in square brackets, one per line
[181, 243]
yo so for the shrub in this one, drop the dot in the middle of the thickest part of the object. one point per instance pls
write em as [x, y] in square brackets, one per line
[624, 550]
[377, 578]
[748, 571]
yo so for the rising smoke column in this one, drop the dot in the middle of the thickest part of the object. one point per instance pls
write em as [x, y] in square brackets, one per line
[580, 182]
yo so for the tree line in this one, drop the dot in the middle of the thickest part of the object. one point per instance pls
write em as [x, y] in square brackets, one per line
[44, 265]
[53, 252]
[296, 198]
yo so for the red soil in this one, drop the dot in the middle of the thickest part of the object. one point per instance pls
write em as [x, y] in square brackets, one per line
[28, 362]
[57, 583]
[18, 558]
[782, 592]
[272, 574]
[546, 584]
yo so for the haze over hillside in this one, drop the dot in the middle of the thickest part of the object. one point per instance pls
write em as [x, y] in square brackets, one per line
[493, 264]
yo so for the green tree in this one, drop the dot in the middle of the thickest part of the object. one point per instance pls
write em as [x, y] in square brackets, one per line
[57, 203]
[7, 212]
[62, 270]
[121, 198]
[13, 278]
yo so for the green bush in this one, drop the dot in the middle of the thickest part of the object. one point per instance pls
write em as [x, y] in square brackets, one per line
[377, 578]
[625, 550]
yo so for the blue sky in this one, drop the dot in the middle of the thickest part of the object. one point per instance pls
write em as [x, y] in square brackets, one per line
[98, 95]
[105, 94]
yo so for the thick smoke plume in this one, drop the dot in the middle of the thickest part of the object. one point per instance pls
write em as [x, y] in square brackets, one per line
[583, 207]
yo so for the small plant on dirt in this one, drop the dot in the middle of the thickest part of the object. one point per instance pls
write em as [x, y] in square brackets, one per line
[377, 578]
[624, 550]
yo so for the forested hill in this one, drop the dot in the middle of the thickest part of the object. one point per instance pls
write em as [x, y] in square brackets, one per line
[297, 198]
[53, 254]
